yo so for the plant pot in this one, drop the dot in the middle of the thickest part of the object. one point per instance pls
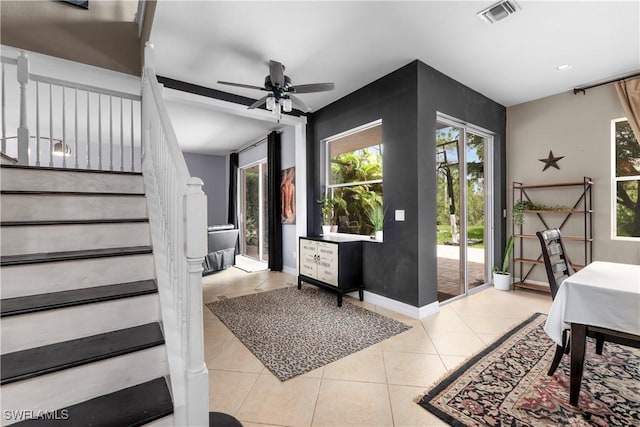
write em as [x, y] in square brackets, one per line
[379, 235]
[334, 229]
[326, 229]
[502, 281]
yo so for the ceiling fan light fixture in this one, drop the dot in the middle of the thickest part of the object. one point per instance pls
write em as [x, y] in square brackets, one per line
[61, 149]
[287, 105]
[281, 90]
[271, 103]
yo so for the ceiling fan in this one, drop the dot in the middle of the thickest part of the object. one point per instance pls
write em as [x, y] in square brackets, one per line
[282, 90]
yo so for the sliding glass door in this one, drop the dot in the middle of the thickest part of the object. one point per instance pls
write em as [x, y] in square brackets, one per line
[463, 227]
[253, 180]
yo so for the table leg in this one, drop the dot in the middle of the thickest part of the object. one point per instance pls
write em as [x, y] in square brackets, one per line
[361, 293]
[578, 341]
[299, 283]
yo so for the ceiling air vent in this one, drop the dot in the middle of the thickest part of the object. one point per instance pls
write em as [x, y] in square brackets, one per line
[498, 11]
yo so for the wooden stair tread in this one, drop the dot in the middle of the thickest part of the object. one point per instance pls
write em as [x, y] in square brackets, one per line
[129, 407]
[53, 300]
[24, 364]
[71, 193]
[72, 255]
[60, 169]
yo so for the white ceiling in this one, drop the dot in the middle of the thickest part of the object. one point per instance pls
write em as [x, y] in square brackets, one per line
[355, 43]
[206, 130]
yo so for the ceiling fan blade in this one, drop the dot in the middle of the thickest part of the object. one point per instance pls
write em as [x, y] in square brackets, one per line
[259, 102]
[241, 85]
[297, 102]
[314, 87]
[276, 72]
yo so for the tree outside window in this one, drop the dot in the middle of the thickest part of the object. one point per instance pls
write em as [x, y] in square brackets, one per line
[355, 179]
[626, 181]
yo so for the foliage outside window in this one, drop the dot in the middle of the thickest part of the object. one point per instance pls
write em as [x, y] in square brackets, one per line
[448, 182]
[355, 179]
[626, 181]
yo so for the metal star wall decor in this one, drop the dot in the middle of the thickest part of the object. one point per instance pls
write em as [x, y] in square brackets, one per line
[550, 161]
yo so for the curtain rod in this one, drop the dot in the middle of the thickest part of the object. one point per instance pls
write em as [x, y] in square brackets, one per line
[583, 89]
[255, 144]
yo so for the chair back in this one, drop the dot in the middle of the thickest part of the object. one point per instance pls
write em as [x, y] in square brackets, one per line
[555, 260]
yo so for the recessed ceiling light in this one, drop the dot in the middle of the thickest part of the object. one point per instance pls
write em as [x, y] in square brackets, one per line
[563, 67]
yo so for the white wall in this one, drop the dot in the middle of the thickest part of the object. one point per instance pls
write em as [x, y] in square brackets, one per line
[213, 172]
[577, 127]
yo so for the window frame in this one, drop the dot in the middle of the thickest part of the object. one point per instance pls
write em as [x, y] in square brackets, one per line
[326, 178]
[614, 184]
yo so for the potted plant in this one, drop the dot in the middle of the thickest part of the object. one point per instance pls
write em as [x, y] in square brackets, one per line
[502, 277]
[327, 210]
[517, 213]
[376, 218]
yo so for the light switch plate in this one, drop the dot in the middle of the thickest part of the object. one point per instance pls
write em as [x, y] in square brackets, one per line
[399, 214]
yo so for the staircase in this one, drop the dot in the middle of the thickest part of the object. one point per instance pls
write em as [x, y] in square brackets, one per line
[82, 341]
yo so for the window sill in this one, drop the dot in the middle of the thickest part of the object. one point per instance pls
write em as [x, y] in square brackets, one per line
[354, 237]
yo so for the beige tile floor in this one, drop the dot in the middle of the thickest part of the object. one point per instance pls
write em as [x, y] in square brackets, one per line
[377, 386]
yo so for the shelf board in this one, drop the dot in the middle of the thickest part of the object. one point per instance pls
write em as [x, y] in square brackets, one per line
[532, 286]
[568, 238]
[552, 185]
[540, 262]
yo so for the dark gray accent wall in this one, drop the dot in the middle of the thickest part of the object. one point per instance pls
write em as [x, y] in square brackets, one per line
[403, 268]
[213, 172]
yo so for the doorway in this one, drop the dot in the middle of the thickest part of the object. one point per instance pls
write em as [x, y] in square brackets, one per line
[463, 207]
[254, 208]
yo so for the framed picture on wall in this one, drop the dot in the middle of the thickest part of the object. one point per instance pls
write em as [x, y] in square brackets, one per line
[288, 196]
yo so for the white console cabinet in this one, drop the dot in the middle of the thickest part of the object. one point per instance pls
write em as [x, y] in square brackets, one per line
[319, 260]
[331, 263]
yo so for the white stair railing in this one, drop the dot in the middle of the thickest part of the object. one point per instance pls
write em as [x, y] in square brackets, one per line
[178, 219]
[76, 125]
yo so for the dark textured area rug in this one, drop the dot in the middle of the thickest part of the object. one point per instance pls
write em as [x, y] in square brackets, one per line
[295, 331]
[507, 385]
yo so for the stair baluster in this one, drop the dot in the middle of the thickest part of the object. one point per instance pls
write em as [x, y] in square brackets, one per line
[178, 220]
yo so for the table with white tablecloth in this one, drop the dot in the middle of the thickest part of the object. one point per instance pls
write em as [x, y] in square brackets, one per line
[602, 294]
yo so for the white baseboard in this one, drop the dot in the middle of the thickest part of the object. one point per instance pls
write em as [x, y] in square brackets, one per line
[400, 307]
[290, 270]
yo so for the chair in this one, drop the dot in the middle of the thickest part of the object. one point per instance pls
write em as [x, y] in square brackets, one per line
[346, 226]
[558, 269]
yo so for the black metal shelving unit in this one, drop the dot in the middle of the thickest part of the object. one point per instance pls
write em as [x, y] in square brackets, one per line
[583, 207]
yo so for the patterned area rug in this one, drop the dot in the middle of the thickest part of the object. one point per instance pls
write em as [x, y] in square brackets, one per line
[507, 384]
[295, 331]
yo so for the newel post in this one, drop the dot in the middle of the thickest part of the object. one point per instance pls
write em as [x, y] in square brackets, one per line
[197, 376]
[23, 130]
[149, 56]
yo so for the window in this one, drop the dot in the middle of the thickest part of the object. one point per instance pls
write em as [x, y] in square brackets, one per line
[354, 178]
[626, 182]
